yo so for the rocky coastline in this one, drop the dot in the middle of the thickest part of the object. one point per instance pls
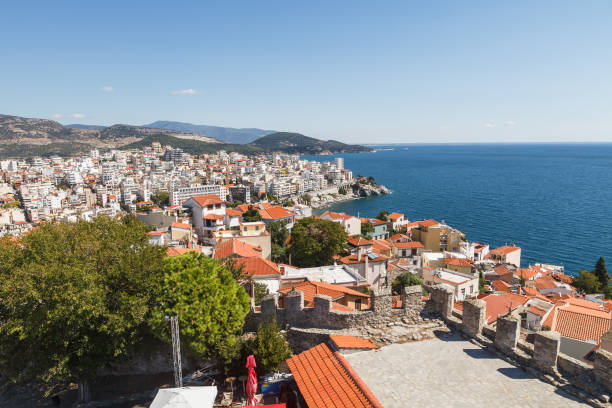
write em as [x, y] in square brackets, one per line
[361, 188]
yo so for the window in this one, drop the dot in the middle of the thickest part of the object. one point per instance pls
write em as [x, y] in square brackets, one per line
[463, 291]
[357, 304]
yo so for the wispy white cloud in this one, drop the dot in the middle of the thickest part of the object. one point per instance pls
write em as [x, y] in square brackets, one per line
[107, 89]
[509, 123]
[77, 115]
[489, 125]
[189, 91]
[58, 115]
[443, 127]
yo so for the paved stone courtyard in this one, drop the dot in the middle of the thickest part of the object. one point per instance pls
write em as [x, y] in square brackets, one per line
[451, 372]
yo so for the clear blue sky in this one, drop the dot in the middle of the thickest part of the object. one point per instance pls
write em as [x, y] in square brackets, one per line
[428, 71]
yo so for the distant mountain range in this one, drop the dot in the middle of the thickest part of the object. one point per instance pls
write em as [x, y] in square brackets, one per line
[225, 134]
[27, 137]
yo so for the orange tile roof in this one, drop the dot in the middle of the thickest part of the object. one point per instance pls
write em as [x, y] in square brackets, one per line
[531, 291]
[397, 237]
[461, 262]
[326, 380]
[501, 270]
[428, 223]
[353, 259]
[581, 323]
[171, 251]
[537, 311]
[258, 266]
[504, 250]
[233, 212]
[359, 241]
[275, 213]
[545, 283]
[526, 273]
[235, 247]
[207, 199]
[213, 217]
[498, 305]
[180, 225]
[352, 342]
[409, 244]
[381, 246]
[501, 286]
[516, 299]
[394, 216]
[311, 288]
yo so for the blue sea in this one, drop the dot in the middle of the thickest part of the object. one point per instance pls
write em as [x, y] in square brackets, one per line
[552, 200]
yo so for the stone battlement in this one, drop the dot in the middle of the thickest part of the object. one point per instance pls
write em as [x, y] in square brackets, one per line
[323, 315]
[542, 357]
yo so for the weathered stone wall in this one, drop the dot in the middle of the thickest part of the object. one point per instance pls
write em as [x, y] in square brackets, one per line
[546, 350]
[473, 316]
[603, 369]
[323, 316]
[507, 333]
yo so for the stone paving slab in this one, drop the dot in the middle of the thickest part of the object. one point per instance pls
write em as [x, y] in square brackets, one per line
[451, 372]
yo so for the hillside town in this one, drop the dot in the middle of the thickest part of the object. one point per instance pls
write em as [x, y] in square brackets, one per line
[242, 210]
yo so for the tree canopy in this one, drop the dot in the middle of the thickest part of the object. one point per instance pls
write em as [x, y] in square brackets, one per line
[601, 272]
[74, 297]
[383, 215]
[587, 282]
[366, 230]
[161, 198]
[251, 215]
[279, 234]
[315, 242]
[210, 304]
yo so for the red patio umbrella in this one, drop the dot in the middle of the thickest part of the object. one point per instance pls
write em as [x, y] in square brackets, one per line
[251, 386]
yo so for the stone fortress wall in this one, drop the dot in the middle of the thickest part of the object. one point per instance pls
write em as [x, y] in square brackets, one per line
[542, 358]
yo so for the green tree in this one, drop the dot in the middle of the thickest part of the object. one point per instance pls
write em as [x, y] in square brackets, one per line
[270, 348]
[342, 191]
[315, 242]
[12, 204]
[482, 283]
[587, 282]
[288, 203]
[608, 292]
[278, 234]
[210, 305]
[366, 230]
[383, 216]
[251, 215]
[260, 290]
[74, 298]
[306, 198]
[235, 268]
[408, 279]
[161, 198]
[601, 272]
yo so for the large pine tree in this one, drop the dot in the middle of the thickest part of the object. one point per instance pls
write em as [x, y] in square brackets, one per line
[602, 272]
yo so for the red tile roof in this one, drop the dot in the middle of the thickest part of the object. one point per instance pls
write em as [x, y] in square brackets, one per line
[207, 199]
[359, 241]
[235, 247]
[213, 217]
[504, 250]
[258, 266]
[409, 244]
[428, 223]
[171, 251]
[233, 212]
[326, 380]
[275, 213]
[545, 283]
[580, 323]
[537, 311]
[501, 286]
[526, 273]
[353, 259]
[180, 225]
[352, 342]
[311, 288]
[394, 216]
[498, 305]
[460, 262]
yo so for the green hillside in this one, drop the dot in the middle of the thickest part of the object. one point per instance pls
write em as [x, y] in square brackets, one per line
[297, 143]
